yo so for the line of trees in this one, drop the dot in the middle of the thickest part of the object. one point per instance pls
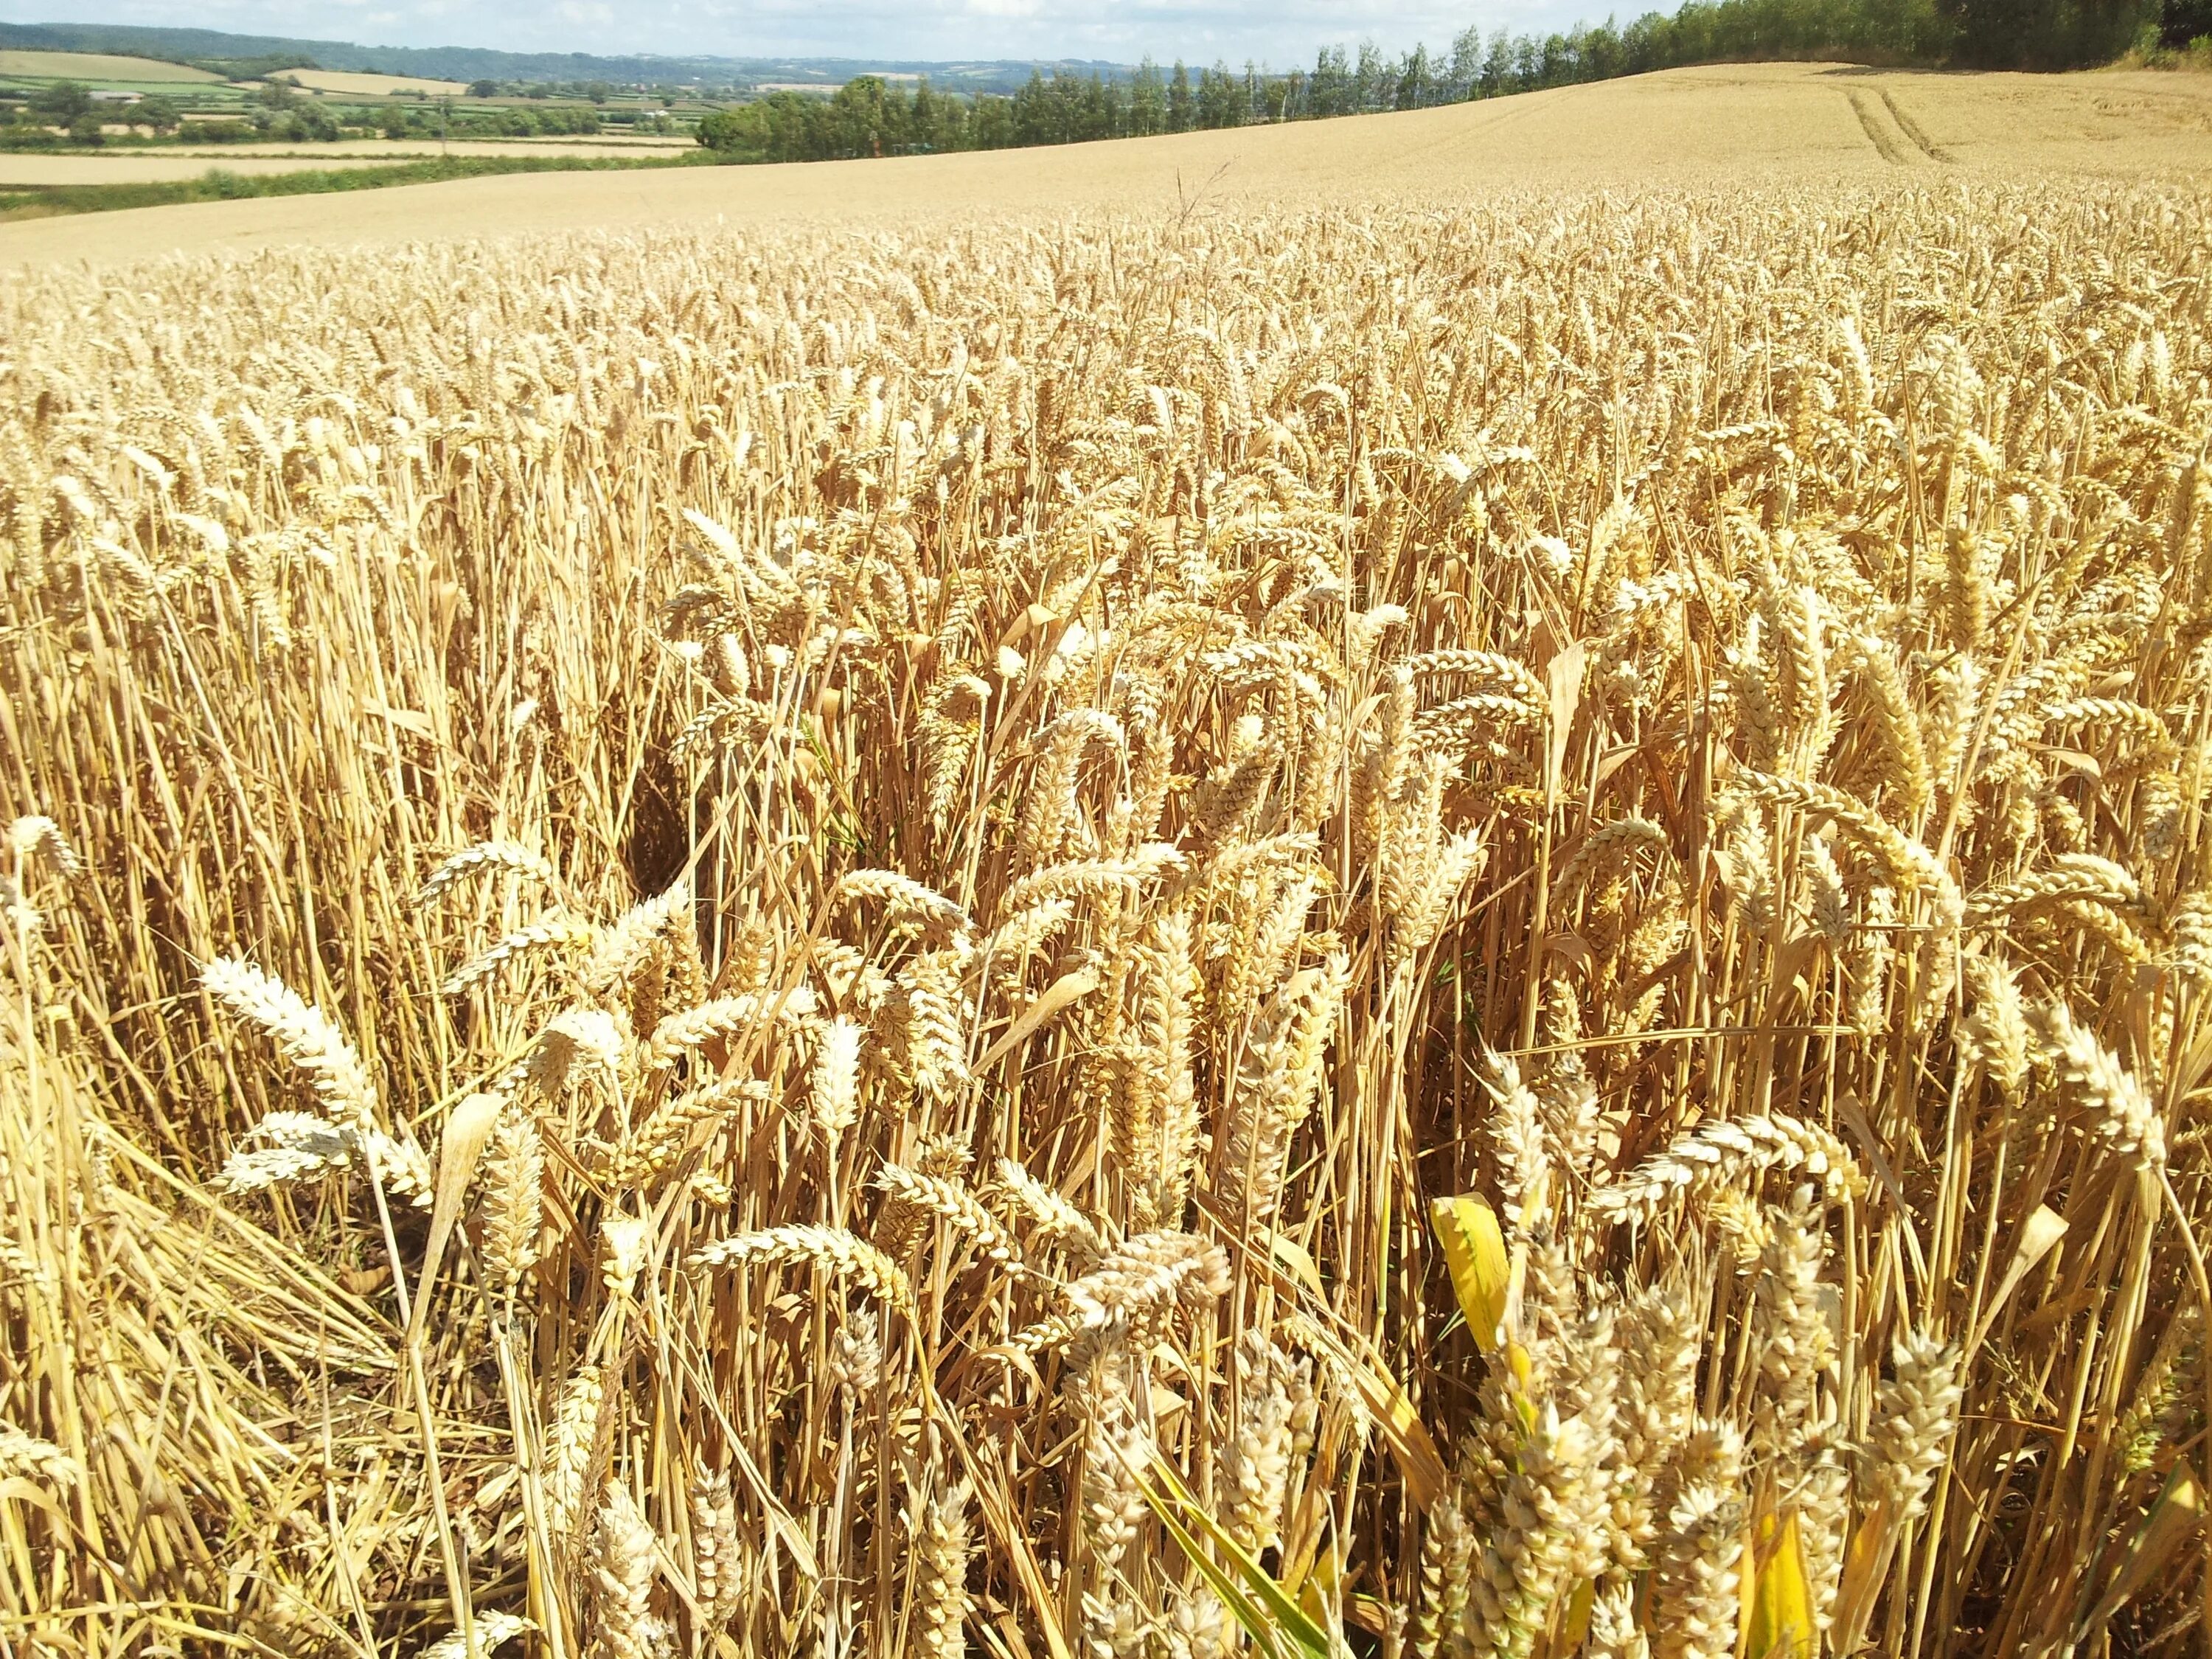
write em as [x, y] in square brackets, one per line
[413, 120]
[871, 116]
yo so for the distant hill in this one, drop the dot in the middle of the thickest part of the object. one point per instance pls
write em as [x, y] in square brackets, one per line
[264, 52]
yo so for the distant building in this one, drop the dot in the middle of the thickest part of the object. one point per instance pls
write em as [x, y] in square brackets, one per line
[117, 97]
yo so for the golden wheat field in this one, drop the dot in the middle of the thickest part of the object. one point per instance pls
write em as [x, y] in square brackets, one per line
[370, 85]
[1398, 931]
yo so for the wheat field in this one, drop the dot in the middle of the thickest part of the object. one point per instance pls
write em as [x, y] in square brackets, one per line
[96, 65]
[371, 86]
[1397, 932]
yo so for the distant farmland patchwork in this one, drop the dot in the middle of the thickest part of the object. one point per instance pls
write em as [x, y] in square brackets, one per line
[142, 103]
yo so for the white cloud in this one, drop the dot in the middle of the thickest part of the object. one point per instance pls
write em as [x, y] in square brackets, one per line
[1280, 33]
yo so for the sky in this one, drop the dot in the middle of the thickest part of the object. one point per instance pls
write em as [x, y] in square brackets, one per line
[1282, 33]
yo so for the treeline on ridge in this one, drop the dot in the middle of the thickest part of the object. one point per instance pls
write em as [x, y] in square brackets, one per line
[874, 115]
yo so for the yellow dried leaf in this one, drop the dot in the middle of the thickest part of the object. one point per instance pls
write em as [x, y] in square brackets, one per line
[1297, 1262]
[2172, 1522]
[1574, 1624]
[1777, 1600]
[1321, 1591]
[1067, 989]
[1392, 1412]
[460, 1149]
[1474, 1250]
[1563, 679]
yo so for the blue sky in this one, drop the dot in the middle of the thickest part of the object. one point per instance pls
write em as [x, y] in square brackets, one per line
[1280, 33]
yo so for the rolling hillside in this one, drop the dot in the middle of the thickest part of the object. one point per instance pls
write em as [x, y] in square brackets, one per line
[101, 67]
[1702, 126]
